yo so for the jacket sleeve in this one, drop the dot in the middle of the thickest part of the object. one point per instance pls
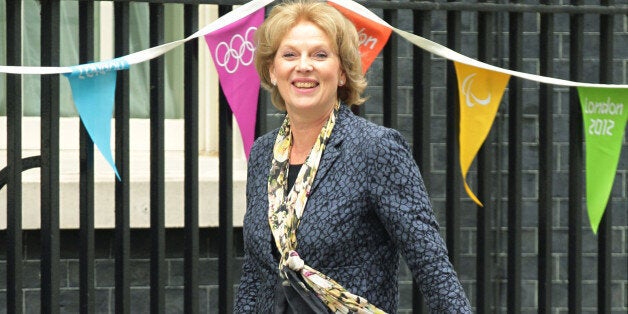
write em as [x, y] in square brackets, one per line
[403, 206]
[248, 287]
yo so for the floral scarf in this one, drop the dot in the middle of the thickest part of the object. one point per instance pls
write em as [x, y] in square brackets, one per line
[285, 211]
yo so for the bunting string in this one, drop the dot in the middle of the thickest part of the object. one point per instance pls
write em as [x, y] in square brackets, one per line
[153, 52]
[452, 55]
[252, 6]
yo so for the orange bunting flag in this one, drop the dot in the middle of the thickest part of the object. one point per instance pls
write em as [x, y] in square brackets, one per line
[372, 35]
[480, 92]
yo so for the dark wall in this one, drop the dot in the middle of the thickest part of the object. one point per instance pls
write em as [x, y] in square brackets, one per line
[105, 274]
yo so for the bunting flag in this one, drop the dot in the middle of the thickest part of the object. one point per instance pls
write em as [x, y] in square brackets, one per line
[93, 88]
[605, 114]
[232, 49]
[480, 93]
[372, 35]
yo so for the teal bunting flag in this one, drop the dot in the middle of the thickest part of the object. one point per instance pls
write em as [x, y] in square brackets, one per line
[93, 89]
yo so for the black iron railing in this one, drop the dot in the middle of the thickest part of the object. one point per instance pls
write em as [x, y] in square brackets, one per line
[500, 37]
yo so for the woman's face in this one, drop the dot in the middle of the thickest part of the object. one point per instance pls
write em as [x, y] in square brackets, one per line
[306, 69]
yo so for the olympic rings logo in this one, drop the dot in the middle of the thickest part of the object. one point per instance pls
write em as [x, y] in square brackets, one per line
[239, 50]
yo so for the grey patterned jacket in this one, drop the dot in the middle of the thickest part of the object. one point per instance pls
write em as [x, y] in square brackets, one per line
[367, 205]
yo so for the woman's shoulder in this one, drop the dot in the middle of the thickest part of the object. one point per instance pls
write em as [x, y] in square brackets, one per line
[369, 134]
[265, 141]
[262, 149]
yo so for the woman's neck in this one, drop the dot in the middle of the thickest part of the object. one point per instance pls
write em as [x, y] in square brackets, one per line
[305, 132]
[303, 139]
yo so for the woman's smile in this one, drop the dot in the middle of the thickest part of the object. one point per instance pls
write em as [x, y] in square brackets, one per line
[306, 69]
[303, 83]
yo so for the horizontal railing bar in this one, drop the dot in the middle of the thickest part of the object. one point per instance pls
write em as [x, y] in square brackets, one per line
[448, 6]
[497, 7]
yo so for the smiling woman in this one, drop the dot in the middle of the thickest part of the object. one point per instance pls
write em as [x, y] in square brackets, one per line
[345, 256]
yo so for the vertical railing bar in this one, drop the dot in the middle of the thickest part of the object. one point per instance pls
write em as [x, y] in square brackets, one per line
[421, 95]
[263, 102]
[157, 157]
[86, 179]
[515, 120]
[576, 181]
[225, 203]
[604, 237]
[500, 155]
[452, 180]
[604, 268]
[261, 123]
[225, 260]
[484, 241]
[191, 293]
[14, 268]
[545, 214]
[122, 186]
[604, 240]
[50, 112]
[390, 73]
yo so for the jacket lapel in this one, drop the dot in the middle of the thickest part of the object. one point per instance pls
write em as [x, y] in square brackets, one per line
[333, 147]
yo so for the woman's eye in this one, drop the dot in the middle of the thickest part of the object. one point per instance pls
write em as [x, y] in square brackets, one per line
[320, 55]
[288, 55]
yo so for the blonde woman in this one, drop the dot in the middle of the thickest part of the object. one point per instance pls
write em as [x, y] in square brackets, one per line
[332, 199]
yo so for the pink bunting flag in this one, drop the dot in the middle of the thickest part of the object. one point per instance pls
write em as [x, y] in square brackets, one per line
[232, 49]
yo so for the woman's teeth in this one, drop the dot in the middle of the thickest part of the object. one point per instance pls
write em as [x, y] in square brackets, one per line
[305, 84]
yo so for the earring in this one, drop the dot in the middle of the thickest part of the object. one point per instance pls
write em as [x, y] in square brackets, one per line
[273, 82]
[341, 83]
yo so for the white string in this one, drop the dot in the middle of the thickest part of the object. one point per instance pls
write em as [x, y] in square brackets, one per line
[449, 54]
[252, 6]
[153, 52]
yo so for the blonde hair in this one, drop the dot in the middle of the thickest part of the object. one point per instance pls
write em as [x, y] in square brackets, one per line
[285, 16]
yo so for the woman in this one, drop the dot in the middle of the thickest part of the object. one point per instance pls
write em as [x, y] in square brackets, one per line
[332, 199]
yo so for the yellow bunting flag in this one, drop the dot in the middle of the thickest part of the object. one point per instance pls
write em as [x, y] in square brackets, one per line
[480, 93]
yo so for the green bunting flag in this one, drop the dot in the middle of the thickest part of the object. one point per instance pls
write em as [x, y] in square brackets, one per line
[604, 112]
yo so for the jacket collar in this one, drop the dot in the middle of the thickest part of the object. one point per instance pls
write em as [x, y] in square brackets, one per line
[332, 149]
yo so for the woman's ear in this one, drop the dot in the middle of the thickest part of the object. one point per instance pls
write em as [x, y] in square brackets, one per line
[342, 79]
[273, 77]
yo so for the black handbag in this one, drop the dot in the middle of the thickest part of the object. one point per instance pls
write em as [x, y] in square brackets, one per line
[300, 297]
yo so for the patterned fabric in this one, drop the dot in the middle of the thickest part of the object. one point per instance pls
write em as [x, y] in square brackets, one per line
[284, 213]
[367, 207]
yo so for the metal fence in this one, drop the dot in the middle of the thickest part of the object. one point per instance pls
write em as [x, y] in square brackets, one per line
[497, 37]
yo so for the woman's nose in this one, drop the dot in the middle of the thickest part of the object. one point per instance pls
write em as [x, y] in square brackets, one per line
[304, 64]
